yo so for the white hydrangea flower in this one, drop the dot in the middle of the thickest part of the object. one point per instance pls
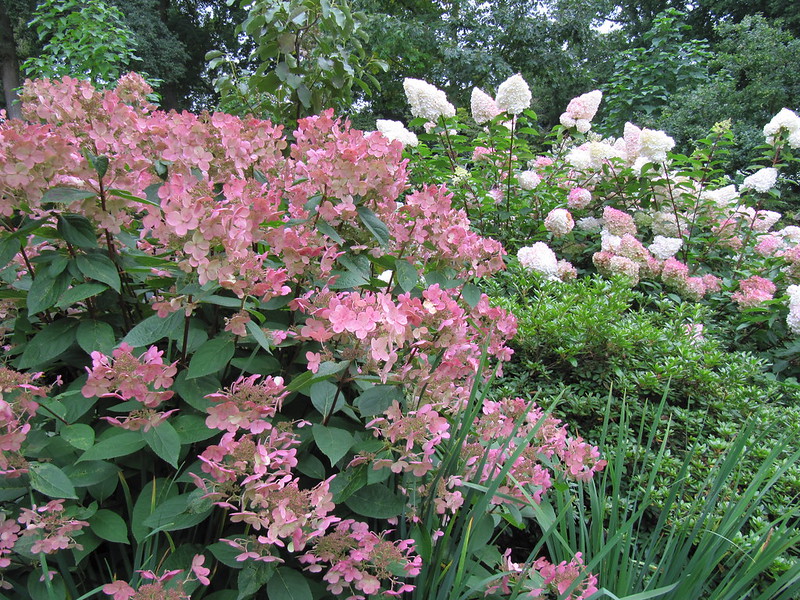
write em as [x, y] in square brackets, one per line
[793, 318]
[426, 100]
[484, 108]
[395, 130]
[513, 95]
[765, 219]
[665, 247]
[580, 157]
[589, 224]
[790, 233]
[539, 258]
[655, 144]
[528, 180]
[609, 242]
[787, 120]
[664, 223]
[723, 197]
[559, 222]
[762, 180]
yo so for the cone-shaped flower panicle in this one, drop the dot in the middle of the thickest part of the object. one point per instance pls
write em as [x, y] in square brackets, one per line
[426, 100]
[513, 95]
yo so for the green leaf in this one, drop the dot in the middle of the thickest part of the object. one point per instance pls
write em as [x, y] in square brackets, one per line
[406, 275]
[258, 335]
[133, 198]
[324, 228]
[180, 512]
[66, 195]
[77, 230]
[312, 466]
[164, 441]
[9, 246]
[332, 441]
[325, 371]
[80, 292]
[116, 444]
[375, 226]
[100, 268]
[38, 590]
[108, 525]
[192, 428]
[45, 291]
[78, 435]
[91, 472]
[377, 399]
[211, 357]
[153, 493]
[376, 501]
[50, 480]
[471, 294]
[253, 577]
[288, 584]
[194, 391]
[323, 395]
[95, 335]
[49, 343]
[152, 329]
[226, 554]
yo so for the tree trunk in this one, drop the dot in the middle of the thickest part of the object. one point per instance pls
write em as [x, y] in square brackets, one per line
[9, 65]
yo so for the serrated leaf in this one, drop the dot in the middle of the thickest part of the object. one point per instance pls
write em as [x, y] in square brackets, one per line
[252, 578]
[100, 268]
[152, 329]
[66, 195]
[376, 501]
[95, 335]
[80, 292]
[119, 444]
[332, 441]
[406, 275]
[78, 435]
[77, 230]
[49, 343]
[45, 291]
[288, 584]
[325, 228]
[50, 480]
[108, 525]
[211, 357]
[375, 226]
[164, 441]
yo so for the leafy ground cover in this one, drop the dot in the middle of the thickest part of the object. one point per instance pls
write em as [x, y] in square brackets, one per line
[240, 362]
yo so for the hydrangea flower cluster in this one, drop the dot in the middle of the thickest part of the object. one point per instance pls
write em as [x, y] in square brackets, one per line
[17, 406]
[785, 121]
[145, 378]
[50, 527]
[157, 590]
[581, 110]
[395, 130]
[753, 291]
[542, 579]
[426, 100]
[513, 95]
